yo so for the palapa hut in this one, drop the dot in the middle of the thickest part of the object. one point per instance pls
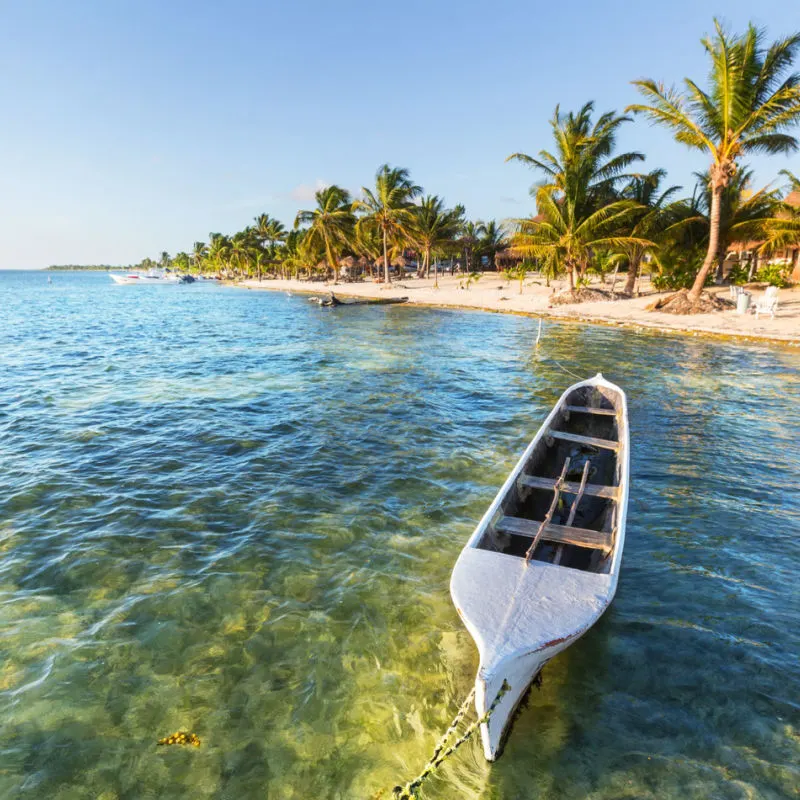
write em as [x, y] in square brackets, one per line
[323, 267]
[507, 258]
[747, 252]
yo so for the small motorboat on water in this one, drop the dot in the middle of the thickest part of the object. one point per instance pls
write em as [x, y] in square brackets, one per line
[151, 277]
[542, 565]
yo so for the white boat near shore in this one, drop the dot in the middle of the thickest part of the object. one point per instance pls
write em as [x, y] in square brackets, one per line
[151, 277]
[543, 563]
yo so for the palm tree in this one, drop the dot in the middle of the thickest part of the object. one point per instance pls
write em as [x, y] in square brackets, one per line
[219, 251]
[653, 217]
[582, 175]
[562, 241]
[199, 253]
[388, 209]
[583, 170]
[269, 230]
[164, 261]
[749, 107]
[471, 233]
[242, 250]
[276, 232]
[783, 230]
[330, 224]
[181, 262]
[434, 228]
[794, 181]
[492, 241]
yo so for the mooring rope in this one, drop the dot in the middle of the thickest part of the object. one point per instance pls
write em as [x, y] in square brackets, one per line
[568, 371]
[409, 791]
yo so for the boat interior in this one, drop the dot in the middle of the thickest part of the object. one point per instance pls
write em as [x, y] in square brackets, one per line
[563, 507]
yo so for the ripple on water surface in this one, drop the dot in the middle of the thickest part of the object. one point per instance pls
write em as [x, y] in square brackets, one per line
[236, 514]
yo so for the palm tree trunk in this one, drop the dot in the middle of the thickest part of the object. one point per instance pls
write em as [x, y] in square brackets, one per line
[633, 273]
[753, 266]
[436, 274]
[713, 241]
[385, 259]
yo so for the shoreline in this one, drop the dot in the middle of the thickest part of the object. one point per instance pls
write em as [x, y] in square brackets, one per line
[494, 294]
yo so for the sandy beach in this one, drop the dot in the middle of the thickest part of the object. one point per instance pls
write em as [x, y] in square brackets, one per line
[493, 293]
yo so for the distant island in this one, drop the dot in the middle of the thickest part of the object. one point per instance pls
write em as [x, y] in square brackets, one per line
[80, 267]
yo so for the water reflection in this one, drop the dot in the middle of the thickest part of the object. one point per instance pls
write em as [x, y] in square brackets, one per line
[236, 514]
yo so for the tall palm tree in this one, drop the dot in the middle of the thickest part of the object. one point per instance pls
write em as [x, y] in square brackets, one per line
[330, 224]
[583, 173]
[749, 107]
[556, 237]
[493, 240]
[583, 169]
[388, 209]
[219, 250]
[164, 261]
[242, 250]
[653, 217]
[263, 227]
[471, 233]
[276, 233]
[268, 229]
[434, 227]
[199, 253]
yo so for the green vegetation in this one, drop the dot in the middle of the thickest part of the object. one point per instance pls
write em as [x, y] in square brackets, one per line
[749, 107]
[595, 213]
[81, 267]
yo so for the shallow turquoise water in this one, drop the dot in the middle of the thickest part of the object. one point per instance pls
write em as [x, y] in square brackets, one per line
[234, 513]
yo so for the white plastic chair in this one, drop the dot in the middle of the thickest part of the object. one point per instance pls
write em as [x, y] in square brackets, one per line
[768, 304]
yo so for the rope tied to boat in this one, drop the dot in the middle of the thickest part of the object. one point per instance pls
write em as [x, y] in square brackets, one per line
[440, 755]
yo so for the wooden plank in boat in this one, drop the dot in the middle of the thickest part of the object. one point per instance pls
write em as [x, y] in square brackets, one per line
[593, 489]
[606, 444]
[563, 534]
[606, 412]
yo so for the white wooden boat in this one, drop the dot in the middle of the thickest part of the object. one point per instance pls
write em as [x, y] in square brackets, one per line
[542, 565]
[151, 277]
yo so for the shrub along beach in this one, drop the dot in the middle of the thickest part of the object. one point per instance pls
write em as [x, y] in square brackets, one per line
[603, 235]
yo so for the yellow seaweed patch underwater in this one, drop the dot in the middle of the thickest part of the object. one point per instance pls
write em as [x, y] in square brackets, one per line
[181, 737]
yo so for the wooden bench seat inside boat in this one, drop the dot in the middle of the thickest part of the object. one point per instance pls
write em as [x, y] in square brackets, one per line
[568, 487]
[605, 412]
[562, 534]
[591, 441]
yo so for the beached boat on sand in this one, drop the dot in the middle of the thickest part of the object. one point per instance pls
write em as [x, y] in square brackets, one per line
[542, 565]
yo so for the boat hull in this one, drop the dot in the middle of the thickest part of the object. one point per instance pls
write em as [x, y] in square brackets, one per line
[142, 280]
[518, 678]
[521, 612]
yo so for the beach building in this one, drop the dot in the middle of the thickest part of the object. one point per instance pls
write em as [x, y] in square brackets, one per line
[747, 252]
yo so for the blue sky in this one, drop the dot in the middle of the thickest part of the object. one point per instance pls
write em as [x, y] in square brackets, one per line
[132, 126]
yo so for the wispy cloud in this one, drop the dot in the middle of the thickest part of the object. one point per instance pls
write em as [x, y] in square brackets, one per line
[511, 200]
[304, 193]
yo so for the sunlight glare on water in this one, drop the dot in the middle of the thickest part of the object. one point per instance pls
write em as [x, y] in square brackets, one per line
[236, 514]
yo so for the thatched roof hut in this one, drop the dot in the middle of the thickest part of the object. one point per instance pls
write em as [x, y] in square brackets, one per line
[507, 258]
[400, 261]
[348, 262]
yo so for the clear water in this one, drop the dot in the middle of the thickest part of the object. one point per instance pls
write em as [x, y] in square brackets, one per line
[234, 513]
